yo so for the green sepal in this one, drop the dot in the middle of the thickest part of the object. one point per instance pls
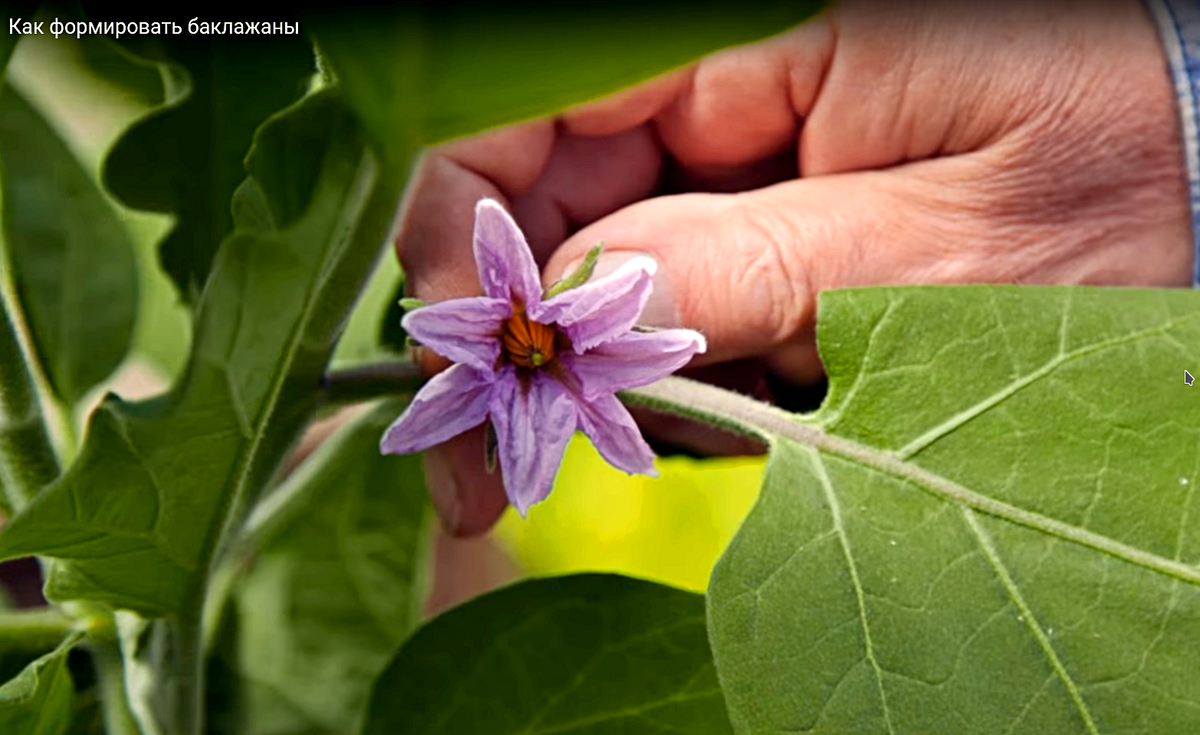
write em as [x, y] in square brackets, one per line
[408, 304]
[580, 276]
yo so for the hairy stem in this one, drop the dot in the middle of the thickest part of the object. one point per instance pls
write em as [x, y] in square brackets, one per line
[27, 458]
[746, 415]
[679, 396]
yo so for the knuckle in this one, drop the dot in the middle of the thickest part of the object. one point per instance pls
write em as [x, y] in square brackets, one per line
[771, 272]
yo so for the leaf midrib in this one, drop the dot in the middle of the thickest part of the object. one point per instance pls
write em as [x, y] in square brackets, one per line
[357, 197]
[762, 421]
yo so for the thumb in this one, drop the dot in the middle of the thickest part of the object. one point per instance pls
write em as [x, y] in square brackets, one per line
[745, 269]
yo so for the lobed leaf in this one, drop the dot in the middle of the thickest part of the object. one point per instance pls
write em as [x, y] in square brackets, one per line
[71, 258]
[185, 157]
[590, 653]
[991, 526]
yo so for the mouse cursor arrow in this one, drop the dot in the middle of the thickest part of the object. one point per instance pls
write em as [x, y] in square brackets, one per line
[1187, 378]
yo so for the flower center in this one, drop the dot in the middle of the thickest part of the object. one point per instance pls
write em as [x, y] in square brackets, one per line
[526, 343]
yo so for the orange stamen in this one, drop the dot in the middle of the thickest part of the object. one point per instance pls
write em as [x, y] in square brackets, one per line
[526, 343]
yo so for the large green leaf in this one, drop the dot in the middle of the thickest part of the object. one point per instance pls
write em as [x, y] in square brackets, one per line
[185, 157]
[499, 63]
[991, 526]
[157, 483]
[71, 256]
[589, 654]
[39, 701]
[27, 460]
[330, 584]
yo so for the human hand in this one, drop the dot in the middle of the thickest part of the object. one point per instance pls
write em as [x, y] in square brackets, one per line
[1032, 142]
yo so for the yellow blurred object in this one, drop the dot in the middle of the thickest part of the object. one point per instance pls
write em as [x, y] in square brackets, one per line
[670, 529]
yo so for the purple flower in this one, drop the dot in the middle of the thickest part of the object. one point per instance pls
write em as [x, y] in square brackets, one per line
[538, 367]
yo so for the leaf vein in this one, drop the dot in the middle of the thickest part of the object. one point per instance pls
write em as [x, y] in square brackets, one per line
[868, 644]
[836, 416]
[946, 427]
[1031, 622]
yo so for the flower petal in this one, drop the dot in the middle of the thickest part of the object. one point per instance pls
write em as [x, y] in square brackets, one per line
[633, 359]
[450, 403]
[461, 330]
[618, 439]
[506, 265]
[602, 309]
[533, 423]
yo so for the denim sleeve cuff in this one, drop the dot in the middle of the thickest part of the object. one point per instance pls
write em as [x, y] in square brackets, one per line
[1179, 27]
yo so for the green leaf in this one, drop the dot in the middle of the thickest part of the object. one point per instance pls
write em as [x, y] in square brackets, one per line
[991, 526]
[27, 460]
[188, 464]
[591, 653]
[39, 701]
[135, 73]
[331, 584]
[505, 62]
[72, 259]
[185, 157]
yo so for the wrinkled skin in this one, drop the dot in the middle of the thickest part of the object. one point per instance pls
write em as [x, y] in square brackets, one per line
[881, 143]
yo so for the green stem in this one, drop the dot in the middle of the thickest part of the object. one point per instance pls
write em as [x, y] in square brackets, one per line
[27, 458]
[189, 667]
[355, 385]
[34, 631]
[710, 405]
[163, 656]
[678, 396]
[70, 435]
[110, 678]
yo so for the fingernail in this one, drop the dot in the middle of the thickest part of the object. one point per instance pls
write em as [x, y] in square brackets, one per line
[660, 309]
[443, 489]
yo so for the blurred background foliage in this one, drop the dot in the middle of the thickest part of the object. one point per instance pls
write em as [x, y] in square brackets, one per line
[669, 529]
